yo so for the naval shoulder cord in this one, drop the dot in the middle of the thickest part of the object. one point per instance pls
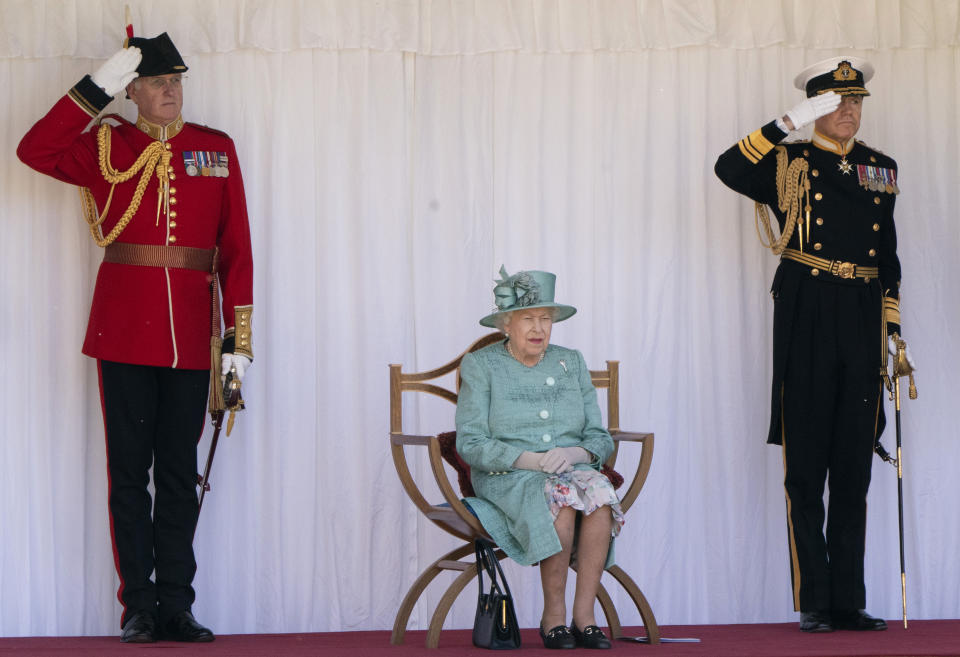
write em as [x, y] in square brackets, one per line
[792, 183]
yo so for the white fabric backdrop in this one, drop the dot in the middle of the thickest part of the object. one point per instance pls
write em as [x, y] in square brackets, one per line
[395, 154]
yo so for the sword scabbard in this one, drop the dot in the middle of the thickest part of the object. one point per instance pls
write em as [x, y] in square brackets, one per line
[204, 481]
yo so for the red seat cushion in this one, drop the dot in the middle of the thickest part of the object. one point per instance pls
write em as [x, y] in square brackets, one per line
[448, 450]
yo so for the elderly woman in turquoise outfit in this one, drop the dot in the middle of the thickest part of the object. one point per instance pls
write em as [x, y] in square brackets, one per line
[529, 426]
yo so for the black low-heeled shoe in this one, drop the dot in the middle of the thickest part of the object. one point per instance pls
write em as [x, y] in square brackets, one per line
[815, 622]
[591, 637]
[184, 627]
[857, 620]
[140, 628]
[559, 638]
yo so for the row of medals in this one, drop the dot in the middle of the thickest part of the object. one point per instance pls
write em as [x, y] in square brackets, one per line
[873, 184]
[216, 171]
[877, 185]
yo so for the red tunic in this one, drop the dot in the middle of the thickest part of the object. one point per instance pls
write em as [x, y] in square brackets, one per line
[152, 315]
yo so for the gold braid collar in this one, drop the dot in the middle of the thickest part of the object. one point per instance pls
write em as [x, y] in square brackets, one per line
[792, 183]
[154, 157]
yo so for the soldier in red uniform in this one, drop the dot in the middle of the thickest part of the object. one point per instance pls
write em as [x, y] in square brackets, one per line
[165, 199]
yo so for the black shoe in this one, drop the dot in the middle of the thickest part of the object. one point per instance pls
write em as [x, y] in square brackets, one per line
[140, 628]
[559, 638]
[591, 637]
[858, 620]
[184, 627]
[815, 622]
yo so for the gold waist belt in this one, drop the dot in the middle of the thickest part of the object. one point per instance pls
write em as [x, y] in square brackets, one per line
[834, 267]
[155, 255]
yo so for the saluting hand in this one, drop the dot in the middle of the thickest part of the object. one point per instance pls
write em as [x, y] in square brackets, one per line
[811, 109]
[118, 71]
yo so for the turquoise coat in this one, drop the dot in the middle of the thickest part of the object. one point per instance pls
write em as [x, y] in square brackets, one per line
[505, 408]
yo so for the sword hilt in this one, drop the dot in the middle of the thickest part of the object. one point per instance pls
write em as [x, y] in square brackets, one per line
[232, 399]
[901, 364]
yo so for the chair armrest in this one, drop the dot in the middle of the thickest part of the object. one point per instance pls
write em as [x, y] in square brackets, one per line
[397, 443]
[643, 466]
[624, 436]
[409, 439]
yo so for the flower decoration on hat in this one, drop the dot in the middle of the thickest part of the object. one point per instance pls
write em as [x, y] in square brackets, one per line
[515, 291]
[526, 289]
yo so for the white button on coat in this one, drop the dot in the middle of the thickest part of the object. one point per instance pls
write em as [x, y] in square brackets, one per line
[544, 414]
[547, 437]
[551, 380]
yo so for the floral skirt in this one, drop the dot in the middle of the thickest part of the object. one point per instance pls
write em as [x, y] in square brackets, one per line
[583, 490]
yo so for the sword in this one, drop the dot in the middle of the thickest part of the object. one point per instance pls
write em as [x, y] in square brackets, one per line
[233, 402]
[901, 367]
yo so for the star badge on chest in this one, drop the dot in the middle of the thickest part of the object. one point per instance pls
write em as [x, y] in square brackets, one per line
[845, 167]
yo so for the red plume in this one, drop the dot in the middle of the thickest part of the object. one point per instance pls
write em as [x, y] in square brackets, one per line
[126, 10]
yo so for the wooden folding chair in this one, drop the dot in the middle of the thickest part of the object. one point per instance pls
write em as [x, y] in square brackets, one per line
[452, 515]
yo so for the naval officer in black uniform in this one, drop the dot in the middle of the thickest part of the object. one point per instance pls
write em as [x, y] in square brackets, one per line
[836, 306]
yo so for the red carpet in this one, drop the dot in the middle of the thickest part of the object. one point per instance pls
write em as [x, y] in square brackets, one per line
[922, 639]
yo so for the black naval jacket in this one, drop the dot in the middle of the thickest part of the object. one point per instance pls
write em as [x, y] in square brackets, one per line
[851, 221]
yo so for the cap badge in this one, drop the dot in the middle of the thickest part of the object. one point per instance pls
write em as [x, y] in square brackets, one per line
[844, 72]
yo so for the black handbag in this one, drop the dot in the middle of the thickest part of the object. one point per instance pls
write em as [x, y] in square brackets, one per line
[495, 625]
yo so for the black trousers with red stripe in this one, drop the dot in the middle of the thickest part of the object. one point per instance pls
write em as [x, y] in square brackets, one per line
[831, 398]
[153, 416]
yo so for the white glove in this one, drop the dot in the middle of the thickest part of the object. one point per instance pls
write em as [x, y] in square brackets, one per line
[813, 108]
[239, 361]
[562, 459]
[892, 348]
[117, 72]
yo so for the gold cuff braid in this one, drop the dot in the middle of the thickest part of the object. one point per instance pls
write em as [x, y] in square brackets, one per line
[891, 310]
[754, 146]
[242, 340]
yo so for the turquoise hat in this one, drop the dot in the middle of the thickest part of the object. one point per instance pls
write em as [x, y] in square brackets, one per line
[526, 289]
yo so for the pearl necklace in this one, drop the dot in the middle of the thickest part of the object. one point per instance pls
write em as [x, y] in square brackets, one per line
[539, 360]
